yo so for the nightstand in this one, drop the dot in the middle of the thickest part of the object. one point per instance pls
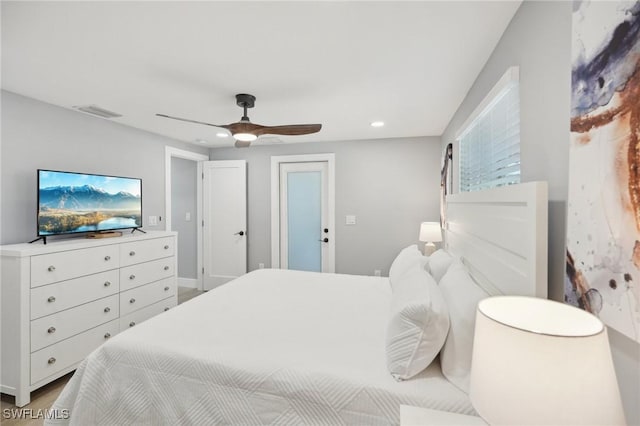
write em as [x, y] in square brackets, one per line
[418, 416]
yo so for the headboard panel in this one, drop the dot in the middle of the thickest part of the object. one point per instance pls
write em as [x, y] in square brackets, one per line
[500, 235]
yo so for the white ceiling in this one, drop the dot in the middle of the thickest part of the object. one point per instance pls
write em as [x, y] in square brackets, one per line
[342, 64]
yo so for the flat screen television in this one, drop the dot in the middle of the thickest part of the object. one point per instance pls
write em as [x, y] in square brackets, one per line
[70, 203]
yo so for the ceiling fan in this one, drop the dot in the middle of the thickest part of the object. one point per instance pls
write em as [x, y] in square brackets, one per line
[245, 132]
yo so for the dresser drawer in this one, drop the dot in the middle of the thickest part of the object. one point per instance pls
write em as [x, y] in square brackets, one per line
[143, 251]
[51, 329]
[144, 273]
[147, 294]
[143, 314]
[54, 358]
[52, 298]
[54, 267]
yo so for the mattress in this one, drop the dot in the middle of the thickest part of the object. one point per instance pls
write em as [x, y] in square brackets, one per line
[271, 347]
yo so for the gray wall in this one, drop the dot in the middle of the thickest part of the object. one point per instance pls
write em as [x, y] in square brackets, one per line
[183, 200]
[40, 135]
[539, 41]
[390, 185]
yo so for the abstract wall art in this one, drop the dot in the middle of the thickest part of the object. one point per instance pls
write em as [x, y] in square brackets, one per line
[603, 225]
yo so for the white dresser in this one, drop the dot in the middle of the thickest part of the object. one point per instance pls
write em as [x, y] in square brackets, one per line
[62, 300]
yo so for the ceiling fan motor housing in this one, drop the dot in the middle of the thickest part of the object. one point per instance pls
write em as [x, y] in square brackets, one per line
[245, 101]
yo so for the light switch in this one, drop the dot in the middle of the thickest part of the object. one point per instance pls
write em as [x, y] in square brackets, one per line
[187, 216]
[153, 220]
[350, 220]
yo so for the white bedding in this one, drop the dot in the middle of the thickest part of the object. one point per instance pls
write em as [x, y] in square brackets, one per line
[272, 347]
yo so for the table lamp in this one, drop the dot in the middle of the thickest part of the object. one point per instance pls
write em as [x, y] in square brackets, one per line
[430, 233]
[540, 362]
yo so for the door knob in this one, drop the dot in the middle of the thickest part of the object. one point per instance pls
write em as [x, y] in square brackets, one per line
[241, 233]
[324, 240]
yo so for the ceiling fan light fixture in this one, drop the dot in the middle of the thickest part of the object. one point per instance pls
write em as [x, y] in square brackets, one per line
[245, 137]
[245, 132]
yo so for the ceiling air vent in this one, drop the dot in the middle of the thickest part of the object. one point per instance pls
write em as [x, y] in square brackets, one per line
[96, 110]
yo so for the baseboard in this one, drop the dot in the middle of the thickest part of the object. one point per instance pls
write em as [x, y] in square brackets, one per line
[188, 282]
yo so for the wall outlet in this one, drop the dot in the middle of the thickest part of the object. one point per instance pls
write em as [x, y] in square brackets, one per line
[153, 221]
[260, 265]
[350, 219]
[376, 272]
[187, 216]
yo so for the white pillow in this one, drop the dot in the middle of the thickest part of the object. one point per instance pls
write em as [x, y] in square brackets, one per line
[462, 296]
[439, 262]
[407, 258]
[418, 324]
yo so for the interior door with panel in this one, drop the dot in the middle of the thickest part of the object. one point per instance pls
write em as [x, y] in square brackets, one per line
[225, 221]
[305, 236]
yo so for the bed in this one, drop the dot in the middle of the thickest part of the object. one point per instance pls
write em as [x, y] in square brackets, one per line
[291, 347]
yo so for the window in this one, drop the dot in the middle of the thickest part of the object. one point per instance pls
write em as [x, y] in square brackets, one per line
[489, 141]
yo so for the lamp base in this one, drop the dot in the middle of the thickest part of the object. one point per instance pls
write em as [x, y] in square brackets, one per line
[429, 248]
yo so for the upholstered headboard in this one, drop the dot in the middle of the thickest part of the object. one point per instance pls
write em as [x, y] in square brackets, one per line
[500, 235]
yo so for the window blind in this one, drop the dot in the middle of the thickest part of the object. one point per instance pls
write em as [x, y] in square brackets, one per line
[489, 146]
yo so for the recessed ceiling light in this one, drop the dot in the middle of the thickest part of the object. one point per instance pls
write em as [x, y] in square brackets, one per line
[222, 135]
[201, 141]
[377, 123]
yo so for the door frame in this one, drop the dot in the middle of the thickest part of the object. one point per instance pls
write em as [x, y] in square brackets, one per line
[275, 202]
[169, 153]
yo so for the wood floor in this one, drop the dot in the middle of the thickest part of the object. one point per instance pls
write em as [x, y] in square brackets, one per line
[43, 398]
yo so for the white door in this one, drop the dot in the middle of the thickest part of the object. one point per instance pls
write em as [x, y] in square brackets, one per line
[225, 221]
[306, 239]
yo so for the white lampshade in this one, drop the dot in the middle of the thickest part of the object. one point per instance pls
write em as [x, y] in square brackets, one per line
[245, 137]
[540, 362]
[430, 232]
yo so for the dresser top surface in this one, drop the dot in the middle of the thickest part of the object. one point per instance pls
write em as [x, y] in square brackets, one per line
[52, 246]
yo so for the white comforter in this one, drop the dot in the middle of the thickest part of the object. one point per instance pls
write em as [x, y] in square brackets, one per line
[272, 347]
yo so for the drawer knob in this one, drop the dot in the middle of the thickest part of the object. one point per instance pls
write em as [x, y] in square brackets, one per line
[132, 253]
[132, 277]
[166, 268]
[166, 247]
[107, 310]
[166, 288]
[132, 300]
[107, 335]
[51, 268]
[51, 299]
[166, 309]
[132, 323]
[51, 360]
[107, 283]
[107, 258]
[51, 330]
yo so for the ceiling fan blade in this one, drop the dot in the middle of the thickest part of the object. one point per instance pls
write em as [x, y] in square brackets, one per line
[192, 121]
[242, 144]
[243, 127]
[291, 130]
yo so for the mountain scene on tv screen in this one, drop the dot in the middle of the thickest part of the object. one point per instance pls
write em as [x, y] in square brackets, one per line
[66, 209]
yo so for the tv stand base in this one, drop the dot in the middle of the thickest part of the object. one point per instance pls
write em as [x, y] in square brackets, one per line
[138, 229]
[43, 238]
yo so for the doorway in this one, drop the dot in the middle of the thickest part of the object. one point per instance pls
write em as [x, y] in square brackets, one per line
[303, 212]
[185, 247]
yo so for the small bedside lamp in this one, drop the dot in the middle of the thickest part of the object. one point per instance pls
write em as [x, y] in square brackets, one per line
[540, 362]
[430, 233]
